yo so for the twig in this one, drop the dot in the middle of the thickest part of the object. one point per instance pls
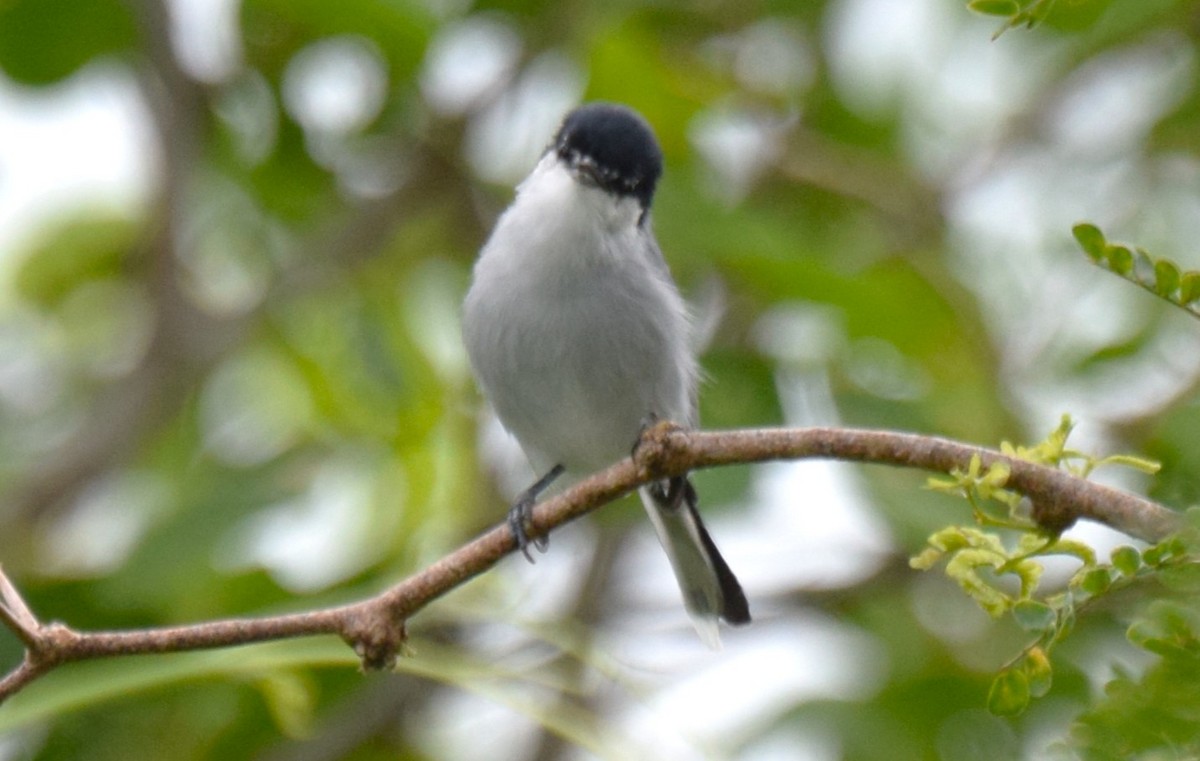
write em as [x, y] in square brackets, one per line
[375, 627]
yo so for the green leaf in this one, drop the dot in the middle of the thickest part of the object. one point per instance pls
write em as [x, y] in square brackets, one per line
[1127, 560]
[1166, 278]
[1119, 259]
[1096, 581]
[1009, 694]
[1091, 240]
[995, 7]
[1038, 11]
[1189, 287]
[1164, 552]
[1034, 616]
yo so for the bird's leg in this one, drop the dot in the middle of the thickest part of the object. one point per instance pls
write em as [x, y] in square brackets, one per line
[668, 493]
[522, 509]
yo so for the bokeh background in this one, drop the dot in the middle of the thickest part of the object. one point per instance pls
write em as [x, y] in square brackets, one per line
[233, 242]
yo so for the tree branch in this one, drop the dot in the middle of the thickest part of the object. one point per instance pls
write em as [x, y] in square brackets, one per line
[375, 627]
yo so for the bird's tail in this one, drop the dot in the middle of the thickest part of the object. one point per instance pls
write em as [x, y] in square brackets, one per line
[710, 590]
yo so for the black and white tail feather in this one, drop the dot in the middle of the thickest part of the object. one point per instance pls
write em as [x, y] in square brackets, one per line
[711, 593]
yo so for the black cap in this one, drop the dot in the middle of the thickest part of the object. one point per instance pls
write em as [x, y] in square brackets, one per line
[612, 146]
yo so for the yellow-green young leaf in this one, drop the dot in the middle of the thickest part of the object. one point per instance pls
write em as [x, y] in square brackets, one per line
[996, 476]
[1075, 549]
[944, 485]
[1119, 259]
[1034, 616]
[962, 568]
[973, 468]
[1033, 543]
[1009, 694]
[1143, 464]
[1029, 572]
[986, 540]
[1189, 287]
[976, 557]
[1050, 451]
[1166, 278]
[949, 539]
[927, 559]
[1038, 671]
[995, 7]
[1090, 239]
[1127, 560]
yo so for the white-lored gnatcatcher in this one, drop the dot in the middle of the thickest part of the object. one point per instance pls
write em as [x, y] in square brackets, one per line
[578, 335]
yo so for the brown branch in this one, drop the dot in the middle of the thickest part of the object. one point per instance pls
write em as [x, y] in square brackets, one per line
[375, 627]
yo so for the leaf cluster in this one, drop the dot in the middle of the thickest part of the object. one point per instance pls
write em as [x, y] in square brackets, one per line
[985, 562]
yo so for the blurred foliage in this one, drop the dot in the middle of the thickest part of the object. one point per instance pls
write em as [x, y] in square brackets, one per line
[240, 388]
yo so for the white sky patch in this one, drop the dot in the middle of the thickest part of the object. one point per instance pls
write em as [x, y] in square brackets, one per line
[336, 85]
[467, 61]
[206, 37]
[86, 141]
[877, 47]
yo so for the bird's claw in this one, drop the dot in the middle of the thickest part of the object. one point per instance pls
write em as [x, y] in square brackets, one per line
[519, 517]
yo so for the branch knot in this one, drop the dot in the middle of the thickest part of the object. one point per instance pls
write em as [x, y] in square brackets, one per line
[376, 637]
[658, 453]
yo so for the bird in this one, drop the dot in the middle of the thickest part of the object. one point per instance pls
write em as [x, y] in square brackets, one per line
[578, 337]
